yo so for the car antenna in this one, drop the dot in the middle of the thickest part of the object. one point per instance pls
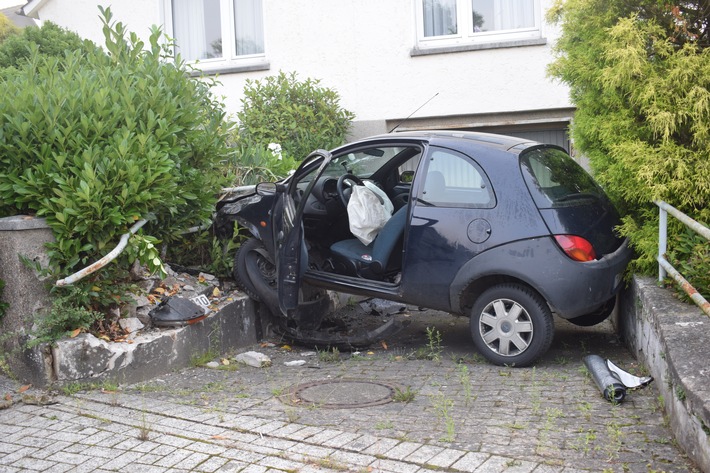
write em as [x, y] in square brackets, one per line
[410, 115]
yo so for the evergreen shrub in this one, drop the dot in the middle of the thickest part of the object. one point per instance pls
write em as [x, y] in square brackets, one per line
[94, 141]
[301, 116]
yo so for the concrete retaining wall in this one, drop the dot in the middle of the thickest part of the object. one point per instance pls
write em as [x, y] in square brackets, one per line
[672, 339]
[26, 292]
[159, 351]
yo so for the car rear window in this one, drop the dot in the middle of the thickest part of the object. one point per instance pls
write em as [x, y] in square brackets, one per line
[556, 180]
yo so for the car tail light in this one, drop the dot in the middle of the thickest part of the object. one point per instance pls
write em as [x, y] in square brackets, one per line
[576, 247]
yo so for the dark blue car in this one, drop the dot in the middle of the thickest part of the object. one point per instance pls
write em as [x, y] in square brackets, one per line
[496, 228]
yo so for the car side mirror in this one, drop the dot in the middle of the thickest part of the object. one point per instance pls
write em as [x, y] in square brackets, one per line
[406, 176]
[268, 188]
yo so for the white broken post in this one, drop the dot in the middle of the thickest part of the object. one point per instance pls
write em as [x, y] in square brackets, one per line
[27, 294]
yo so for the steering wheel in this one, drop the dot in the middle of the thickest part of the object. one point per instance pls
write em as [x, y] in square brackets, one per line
[343, 188]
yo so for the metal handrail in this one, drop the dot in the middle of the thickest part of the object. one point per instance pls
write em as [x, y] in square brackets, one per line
[663, 265]
[112, 255]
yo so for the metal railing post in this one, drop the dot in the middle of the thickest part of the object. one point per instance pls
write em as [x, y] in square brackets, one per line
[662, 241]
[664, 267]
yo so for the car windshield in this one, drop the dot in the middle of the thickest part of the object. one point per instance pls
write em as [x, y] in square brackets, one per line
[363, 163]
[556, 180]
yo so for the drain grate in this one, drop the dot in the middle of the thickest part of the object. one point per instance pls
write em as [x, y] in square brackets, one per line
[340, 394]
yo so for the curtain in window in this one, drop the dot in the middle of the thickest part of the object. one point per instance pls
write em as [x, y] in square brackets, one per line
[439, 17]
[249, 27]
[197, 28]
[494, 15]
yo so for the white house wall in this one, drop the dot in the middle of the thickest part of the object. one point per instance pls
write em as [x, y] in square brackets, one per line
[362, 49]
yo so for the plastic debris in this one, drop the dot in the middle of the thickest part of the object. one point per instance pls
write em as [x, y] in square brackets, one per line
[612, 380]
[629, 380]
[295, 363]
[177, 312]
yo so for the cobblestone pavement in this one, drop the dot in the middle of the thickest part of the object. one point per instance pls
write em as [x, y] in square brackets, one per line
[456, 413]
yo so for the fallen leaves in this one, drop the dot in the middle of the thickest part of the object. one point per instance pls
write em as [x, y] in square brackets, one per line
[24, 388]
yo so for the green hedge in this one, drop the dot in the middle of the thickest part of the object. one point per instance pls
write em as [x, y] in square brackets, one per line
[301, 116]
[94, 141]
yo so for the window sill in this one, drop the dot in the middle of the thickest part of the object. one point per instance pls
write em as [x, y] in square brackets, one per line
[230, 69]
[477, 47]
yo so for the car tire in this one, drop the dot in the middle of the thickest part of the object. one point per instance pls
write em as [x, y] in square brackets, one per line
[596, 317]
[254, 272]
[511, 325]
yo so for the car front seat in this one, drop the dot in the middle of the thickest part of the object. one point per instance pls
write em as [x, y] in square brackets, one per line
[370, 261]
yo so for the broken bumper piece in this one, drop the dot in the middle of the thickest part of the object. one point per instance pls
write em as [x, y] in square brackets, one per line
[177, 312]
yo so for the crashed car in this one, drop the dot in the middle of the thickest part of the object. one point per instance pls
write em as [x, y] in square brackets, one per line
[499, 229]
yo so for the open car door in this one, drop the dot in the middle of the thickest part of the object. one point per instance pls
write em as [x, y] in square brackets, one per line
[287, 220]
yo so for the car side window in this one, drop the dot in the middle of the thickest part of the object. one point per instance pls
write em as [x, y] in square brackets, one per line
[454, 180]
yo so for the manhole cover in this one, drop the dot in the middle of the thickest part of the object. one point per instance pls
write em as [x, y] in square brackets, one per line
[340, 393]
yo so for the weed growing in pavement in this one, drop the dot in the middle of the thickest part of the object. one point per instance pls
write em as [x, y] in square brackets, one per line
[561, 360]
[406, 396]
[584, 441]
[143, 431]
[73, 388]
[357, 356]
[203, 358]
[433, 343]
[329, 464]
[329, 356]
[516, 426]
[292, 415]
[551, 416]
[465, 378]
[442, 407]
[586, 409]
[614, 439]
[384, 425]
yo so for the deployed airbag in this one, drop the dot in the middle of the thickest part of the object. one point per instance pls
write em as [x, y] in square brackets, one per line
[367, 214]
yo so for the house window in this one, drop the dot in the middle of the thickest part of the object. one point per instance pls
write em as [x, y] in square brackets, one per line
[216, 31]
[456, 22]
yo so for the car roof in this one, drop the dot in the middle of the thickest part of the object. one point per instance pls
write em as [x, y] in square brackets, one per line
[441, 137]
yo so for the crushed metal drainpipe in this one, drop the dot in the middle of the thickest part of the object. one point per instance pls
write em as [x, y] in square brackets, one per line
[611, 380]
[103, 261]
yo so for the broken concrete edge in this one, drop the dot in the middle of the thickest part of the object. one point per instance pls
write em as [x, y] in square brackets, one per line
[670, 338]
[22, 222]
[88, 360]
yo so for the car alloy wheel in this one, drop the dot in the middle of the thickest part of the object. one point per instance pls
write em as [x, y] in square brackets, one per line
[511, 325]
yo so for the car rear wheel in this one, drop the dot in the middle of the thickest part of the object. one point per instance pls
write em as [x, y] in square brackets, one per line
[511, 325]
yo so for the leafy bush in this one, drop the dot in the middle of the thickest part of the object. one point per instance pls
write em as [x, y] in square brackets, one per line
[65, 316]
[94, 141]
[639, 74]
[49, 40]
[7, 28]
[255, 164]
[301, 116]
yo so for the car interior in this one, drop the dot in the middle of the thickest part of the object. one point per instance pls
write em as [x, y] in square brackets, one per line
[331, 245]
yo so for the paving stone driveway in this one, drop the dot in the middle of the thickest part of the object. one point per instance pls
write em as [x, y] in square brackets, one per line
[463, 414]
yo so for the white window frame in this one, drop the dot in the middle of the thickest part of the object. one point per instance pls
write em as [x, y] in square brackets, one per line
[465, 34]
[230, 61]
